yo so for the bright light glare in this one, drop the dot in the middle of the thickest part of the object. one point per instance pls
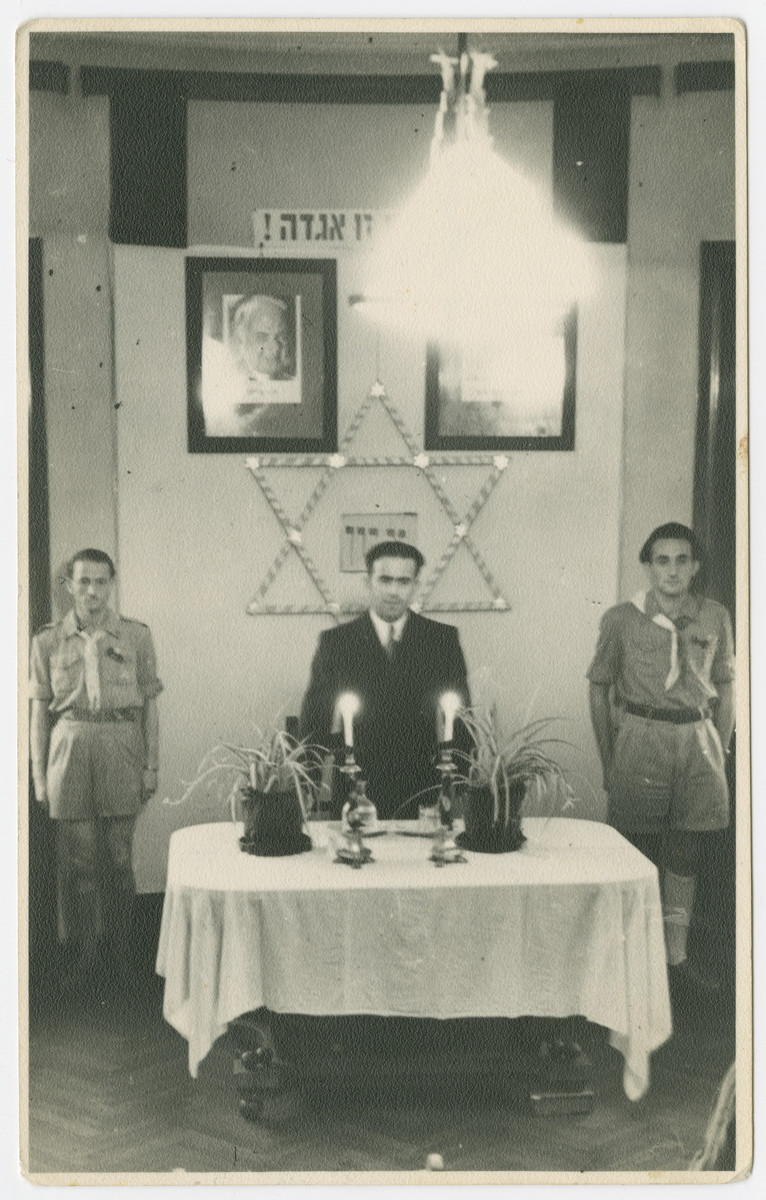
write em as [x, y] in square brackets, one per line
[518, 382]
[475, 253]
[349, 702]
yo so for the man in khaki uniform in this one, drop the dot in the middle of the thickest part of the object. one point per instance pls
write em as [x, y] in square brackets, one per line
[664, 665]
[94, 745]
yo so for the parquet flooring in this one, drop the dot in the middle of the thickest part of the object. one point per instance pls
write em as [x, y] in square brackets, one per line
[109, 1092]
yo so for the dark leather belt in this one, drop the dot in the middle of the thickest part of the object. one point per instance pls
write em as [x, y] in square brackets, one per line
[103, 716]
[676, 716]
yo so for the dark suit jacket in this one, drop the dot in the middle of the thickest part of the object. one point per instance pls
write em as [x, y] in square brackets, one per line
[395, 733]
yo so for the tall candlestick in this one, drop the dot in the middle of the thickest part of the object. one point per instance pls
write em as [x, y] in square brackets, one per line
[449, 703]
[348, 707]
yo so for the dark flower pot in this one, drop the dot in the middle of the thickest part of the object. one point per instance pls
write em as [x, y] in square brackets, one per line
[273, 824]
[482, 833]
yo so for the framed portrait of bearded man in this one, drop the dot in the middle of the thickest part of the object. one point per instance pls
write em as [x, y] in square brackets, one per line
[261, 341]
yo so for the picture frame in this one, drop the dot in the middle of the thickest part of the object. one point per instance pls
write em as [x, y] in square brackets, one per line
[261, 345]
[475, 403]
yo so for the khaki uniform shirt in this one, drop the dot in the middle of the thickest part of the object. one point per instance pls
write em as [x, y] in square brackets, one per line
[126, 663]
[634, 653]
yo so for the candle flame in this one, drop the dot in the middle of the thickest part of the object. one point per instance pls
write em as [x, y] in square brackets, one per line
[348, 706]
[449, 703]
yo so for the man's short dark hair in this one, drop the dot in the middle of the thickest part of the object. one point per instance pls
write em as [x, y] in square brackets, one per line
[90, 555]
[393, 550]
[673, 531]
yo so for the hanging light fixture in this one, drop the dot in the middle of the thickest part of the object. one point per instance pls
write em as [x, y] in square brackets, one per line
[475, 256]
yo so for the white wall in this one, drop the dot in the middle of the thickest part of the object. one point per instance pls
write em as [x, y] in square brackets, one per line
[682, 193]
[193, 535]
[68, 164]
[79, 397]
[196, 536]
[69, 210]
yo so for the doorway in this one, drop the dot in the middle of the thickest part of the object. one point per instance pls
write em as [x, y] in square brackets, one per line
[41, 882]
[715, 458]
[715, 509]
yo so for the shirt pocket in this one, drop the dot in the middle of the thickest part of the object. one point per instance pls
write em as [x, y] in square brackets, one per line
[118, 667]
[700, 650]
[646, 662]
[66, 670]
[650, 645]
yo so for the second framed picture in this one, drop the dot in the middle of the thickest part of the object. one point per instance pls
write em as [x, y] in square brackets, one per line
[261, 343]
[520, 396]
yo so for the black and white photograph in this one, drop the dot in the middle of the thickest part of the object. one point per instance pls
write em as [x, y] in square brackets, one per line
[383, 633]
[261, 354]
[522, 397]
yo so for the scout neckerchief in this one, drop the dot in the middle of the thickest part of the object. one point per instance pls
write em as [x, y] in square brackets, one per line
[639, 600]
[90, 659]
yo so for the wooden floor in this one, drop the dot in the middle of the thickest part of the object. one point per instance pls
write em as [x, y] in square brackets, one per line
[109, 1091]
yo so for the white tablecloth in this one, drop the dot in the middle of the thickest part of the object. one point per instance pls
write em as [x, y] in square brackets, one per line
[571, 924]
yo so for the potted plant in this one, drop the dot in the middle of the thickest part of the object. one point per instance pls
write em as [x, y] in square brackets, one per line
[494, 774]
[272, 783]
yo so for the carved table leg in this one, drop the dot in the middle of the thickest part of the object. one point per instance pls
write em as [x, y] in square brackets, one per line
[561, 1077]
[260, 1073]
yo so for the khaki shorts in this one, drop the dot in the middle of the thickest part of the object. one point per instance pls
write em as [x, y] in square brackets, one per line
[667, 775]
[95, 769]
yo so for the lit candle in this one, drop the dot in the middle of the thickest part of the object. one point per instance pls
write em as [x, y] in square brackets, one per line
[252, 775]
[450, 702]
[348, 707]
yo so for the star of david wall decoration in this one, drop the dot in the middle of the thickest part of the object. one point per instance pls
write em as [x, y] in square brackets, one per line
[296, 541]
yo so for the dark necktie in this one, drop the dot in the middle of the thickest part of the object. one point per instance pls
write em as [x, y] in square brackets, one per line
[390, 642]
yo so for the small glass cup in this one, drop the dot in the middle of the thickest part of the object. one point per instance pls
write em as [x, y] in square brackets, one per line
[335, 842]
[428, 818]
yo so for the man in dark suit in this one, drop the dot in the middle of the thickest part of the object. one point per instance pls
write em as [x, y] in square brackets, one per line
[398, 664]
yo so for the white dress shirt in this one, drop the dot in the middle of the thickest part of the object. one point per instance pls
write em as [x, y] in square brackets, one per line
[385, 629]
